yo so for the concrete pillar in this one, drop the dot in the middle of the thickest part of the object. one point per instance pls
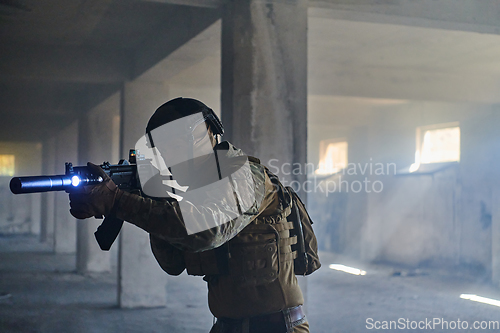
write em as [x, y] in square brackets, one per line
[65, 224]
[98, 142]
[264, 85]
[495, 235]
[36, 199]
[141, 280]
[48, 198]
[494, 148]
[36, 214]
[264, 82]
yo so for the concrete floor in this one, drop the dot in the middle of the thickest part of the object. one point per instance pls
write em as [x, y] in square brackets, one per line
[39, 292]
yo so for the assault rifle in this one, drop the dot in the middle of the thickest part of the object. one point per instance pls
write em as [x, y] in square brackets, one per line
[123, 174]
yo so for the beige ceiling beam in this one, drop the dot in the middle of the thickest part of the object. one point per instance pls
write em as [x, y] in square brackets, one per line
[33, 98]
[36, 127]
[401, 83]
[461, 15]
[66, 64]
[193, 3]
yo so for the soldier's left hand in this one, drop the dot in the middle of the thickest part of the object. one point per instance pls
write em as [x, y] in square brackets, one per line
[94, 200]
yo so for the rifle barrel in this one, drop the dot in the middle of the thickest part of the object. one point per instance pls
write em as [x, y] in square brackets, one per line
[37, 184]
[122, 174]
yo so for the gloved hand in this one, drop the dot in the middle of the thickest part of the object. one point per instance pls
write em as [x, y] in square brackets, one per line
[94, 200]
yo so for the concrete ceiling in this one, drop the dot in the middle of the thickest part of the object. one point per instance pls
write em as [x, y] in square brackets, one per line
[376, 60]
[58, 57]
[402, 62]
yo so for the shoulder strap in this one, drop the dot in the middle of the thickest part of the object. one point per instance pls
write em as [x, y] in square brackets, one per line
[307, 259]
[301, 262]
[253, 159]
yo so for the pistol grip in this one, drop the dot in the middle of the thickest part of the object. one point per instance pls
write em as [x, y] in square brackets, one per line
[107, 232]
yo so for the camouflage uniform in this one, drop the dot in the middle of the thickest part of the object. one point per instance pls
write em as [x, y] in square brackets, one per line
[248, 266]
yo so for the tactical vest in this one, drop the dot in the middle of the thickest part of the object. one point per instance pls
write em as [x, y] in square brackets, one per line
[255, 255]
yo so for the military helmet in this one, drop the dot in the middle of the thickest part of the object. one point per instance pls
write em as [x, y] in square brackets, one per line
[181, 107]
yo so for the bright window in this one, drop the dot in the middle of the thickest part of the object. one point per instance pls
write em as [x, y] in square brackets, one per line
[332, 156]
[437, 144]
[7, 165]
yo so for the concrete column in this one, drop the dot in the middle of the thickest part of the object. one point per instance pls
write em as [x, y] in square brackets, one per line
[36, 214]
[264, 85]
[98, 142]
[494, 148]
[48, 198]
[495, 235]
[36, 200]
[141, 280]
[65, 224]
[264, 82]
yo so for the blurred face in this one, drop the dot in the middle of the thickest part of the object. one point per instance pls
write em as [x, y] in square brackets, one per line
[203, 140]
[182, 151]
[184, 145]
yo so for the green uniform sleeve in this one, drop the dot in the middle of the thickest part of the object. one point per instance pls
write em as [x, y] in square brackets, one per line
[163, 218]
[170, 258]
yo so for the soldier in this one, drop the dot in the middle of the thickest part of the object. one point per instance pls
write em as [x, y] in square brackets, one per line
[215, 212]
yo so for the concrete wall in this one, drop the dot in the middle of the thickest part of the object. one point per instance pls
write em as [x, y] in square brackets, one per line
[20, 213]
[444, 218]
[441, 218]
